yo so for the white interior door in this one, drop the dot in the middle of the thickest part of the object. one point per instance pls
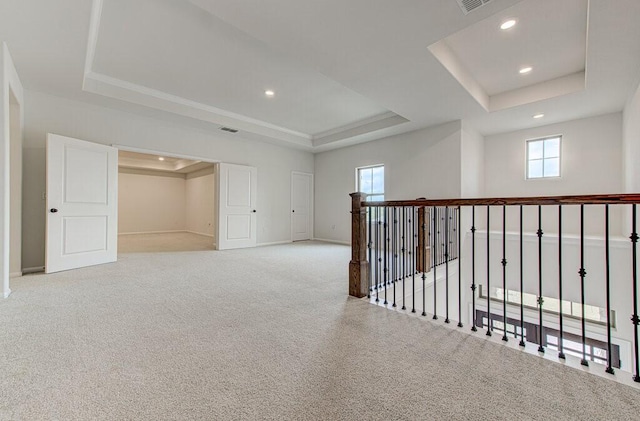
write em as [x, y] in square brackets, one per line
[237, 191]
[82, 204]
[301, 199]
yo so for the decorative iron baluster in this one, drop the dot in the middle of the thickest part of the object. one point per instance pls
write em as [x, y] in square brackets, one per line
[609, 368]
[540, 299]
[582, 273]
[377, 253]
[413, 262]
[395, 253]
[561, 338]
[370, 245]
[489, 322]
[522, 343]
[459, 255]
[436, 231]
[634, 316]
[504, 273]
[404, 255]
[386, 253]
[473, 269]
[446, 264]
[424, 265]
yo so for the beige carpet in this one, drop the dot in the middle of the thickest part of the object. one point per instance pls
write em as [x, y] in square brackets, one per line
[267, 333]
[164, 242]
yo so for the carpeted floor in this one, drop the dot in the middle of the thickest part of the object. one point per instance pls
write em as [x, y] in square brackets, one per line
[266, 333]
[164, 242]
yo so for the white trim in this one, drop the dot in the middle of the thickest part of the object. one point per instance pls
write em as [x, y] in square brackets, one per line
[7, 293]
[35, 269]
[274, 243]
[151, 232]
[200, 233]
[92, 41]
[325, 240]
[15, 275]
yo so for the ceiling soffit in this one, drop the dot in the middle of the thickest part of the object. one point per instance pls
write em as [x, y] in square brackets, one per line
[355, 115]
[549, 36]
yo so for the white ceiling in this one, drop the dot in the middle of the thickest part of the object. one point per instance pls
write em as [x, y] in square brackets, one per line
[143, 161]
[343, 71]
[550, 37]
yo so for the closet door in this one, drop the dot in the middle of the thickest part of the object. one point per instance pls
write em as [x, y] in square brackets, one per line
[237, 191]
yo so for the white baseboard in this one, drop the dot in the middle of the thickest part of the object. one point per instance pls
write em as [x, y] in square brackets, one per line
[201, 233]
[324, 240]
[35, 269]
[7, 293]
[151, 232]
[15, 275]
[275, 243]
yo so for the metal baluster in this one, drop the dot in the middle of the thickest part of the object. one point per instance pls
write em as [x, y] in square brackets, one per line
[582, 273]
[521, 284]
[370, 245]
[395, 254]
[413, 260]
[489, 324]
[436, 231]
[540, 299]
[473, 269]
[459, 255]
[634, 317]
[377, 253]
[386, 253]
[404, 255]
[609, 368]
[504, 273]
[424, 264]
[446, 264]
[561, 338]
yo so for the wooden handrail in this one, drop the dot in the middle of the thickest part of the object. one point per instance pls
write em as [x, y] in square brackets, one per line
[596, 199]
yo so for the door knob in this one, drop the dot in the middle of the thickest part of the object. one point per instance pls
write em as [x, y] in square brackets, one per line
[294, 211]
[254, 211]
[53, 210]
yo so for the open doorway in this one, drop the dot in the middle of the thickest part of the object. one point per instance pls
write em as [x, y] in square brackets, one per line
[165, 203]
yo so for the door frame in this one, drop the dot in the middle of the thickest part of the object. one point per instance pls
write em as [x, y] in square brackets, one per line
[216, 173]
[311, 203]
[11, 94]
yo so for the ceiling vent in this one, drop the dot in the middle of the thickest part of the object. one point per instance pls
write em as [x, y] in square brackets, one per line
[229, 129]
[469, 6]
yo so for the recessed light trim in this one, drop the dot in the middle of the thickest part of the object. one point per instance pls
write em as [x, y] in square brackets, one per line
[539, 115]
[508, 24]
[269, 93]
[525, 70]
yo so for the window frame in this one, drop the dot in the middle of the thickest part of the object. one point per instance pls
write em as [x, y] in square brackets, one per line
[559, 157]
[384, 181]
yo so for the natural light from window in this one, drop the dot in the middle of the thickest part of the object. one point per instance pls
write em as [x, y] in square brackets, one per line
[543, 157]
[371, 182]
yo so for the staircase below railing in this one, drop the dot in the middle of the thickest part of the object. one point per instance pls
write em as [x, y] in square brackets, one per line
[552, 304]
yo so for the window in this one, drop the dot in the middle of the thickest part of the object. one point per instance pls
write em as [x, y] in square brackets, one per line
[371, 181]
[543, 157]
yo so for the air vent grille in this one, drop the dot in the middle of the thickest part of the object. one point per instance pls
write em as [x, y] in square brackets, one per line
[229, 129]
[469, 6]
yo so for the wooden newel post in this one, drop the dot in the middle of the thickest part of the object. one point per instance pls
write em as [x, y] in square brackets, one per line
[359, 266]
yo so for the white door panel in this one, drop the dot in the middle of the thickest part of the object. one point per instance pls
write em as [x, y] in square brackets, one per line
[82, 192]
[301, 206]
[237, 192]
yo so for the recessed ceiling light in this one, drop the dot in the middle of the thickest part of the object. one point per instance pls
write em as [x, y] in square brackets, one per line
[539, 115]
[508, 24]
[160, 158]
[269, 93]
[525, 70]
